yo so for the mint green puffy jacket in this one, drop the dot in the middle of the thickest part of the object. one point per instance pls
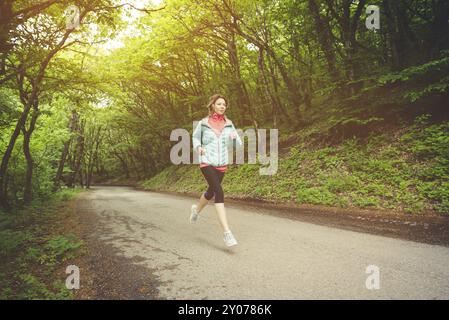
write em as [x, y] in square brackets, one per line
[216, 147]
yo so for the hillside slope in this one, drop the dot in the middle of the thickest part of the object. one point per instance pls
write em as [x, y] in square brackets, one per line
[385, 148]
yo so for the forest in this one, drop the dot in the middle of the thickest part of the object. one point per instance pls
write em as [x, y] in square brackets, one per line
[362, 111]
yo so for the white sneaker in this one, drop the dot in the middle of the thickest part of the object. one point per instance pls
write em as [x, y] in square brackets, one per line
[229, 239]
[193, 214]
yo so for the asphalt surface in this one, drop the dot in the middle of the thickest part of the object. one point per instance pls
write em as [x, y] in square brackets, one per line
[276, 258]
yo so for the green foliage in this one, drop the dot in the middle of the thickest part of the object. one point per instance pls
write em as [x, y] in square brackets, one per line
[65, 194]
[438, 87]
[341, 183]
[56, 249]
[60, 246]
[412, 72]
[34, 289]
[31, 251]
[361, 122]
[366, 201]
[429, 142]
[11, 240]
[315, 195]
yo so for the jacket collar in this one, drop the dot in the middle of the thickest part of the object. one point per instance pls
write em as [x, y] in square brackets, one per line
[206, 118]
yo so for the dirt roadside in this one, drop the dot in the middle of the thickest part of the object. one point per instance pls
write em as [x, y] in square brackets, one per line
[104, 273]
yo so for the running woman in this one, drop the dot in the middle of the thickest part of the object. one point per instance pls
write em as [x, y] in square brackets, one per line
[210, 139]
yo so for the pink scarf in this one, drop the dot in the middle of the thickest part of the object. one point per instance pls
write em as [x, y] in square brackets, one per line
[218, 117]
[217, 122]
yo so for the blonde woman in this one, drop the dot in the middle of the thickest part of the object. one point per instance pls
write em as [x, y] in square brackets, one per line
[210, 139]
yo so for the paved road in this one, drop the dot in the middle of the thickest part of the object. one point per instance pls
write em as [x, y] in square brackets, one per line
[277, 258]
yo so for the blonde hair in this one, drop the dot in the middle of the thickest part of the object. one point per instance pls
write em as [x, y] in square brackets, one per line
[212, 100]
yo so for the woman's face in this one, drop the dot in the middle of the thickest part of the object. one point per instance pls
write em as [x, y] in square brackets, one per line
[220, 106]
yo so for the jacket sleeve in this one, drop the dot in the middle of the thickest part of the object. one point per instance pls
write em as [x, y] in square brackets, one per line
[196, 137]
[237, 139]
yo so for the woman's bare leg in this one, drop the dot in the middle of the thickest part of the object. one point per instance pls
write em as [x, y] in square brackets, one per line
[202, 203]
[221, 211]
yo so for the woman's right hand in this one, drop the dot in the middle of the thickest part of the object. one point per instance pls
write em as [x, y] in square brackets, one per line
[201, 150]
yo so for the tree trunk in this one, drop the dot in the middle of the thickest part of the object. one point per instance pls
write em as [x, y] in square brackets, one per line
[72, 124]
[325, 39]
[239, 84]
[79, 154]
[276, 97]
[292, 88]
[28, 188]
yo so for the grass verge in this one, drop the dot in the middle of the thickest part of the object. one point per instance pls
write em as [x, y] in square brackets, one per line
[36, 248]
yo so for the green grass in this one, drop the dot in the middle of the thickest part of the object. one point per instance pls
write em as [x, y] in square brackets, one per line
[32, 250]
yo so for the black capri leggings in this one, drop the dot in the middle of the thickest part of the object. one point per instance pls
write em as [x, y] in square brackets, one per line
[214, 178]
